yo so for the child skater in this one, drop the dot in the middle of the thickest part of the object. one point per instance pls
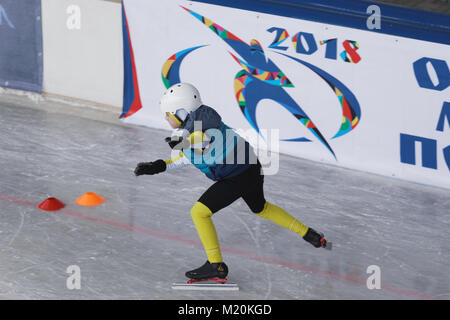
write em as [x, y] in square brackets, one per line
[232, 165]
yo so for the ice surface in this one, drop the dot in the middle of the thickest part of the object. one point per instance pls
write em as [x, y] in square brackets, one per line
[142, 239]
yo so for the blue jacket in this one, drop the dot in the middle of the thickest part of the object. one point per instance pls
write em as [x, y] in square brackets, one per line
[227, 155]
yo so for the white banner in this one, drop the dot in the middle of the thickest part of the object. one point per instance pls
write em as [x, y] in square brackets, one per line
[347, 97]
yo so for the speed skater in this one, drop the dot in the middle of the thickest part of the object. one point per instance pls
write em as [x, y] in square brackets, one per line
[224, 157]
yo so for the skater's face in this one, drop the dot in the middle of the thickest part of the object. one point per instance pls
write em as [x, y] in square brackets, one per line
[173, 123]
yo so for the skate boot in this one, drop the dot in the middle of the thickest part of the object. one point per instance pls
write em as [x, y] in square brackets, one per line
[209, 271]
[317, 239]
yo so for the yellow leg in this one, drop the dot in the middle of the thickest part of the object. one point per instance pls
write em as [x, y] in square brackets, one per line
[282, 218]
[201, 215]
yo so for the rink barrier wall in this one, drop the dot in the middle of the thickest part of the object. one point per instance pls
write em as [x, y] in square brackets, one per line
[339, 91]
[21, 45]
[398, 75]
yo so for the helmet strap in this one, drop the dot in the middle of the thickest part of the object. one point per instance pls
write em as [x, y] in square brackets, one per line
[174, 117]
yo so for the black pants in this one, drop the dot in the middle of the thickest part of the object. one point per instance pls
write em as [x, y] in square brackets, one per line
[248, 185]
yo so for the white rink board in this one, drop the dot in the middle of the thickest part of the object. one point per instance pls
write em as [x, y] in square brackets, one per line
[384, 83]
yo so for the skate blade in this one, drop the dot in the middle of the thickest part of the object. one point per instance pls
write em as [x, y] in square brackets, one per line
[210, 284]
[217, 280]
[328, 246]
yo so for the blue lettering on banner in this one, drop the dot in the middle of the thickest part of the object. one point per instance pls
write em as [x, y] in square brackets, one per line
[429, 146]
[447, 156]
[306, 44]
[331, 48]
[445, 113]
[408, 150]
[276, 43]
[310, 41]
[423, 76]
[4, 16]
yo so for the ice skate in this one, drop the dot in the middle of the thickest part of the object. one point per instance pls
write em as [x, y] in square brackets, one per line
[210, 276]
[209, 271]
[317, 239]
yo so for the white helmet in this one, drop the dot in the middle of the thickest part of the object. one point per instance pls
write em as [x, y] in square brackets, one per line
[180, 99]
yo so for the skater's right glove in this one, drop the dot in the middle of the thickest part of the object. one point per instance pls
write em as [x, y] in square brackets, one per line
[176, 142]
[150, 167]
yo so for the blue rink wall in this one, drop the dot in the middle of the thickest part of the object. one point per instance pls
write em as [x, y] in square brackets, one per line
[21, 45]
[395, 20]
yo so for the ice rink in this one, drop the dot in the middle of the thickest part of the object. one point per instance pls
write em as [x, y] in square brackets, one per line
[142, 238]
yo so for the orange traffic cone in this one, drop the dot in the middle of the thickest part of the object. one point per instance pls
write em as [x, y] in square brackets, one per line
[90, 199]
[51, 204]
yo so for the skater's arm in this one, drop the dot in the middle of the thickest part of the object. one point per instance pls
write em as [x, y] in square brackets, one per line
[160, 165]
[150, 167]
[196, 141]
[177, 162]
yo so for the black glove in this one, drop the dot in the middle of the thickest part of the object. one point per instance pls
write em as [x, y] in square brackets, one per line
[150, 167]
[176, 143]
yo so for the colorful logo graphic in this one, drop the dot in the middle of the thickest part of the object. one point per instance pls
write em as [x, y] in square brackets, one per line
[261, 79]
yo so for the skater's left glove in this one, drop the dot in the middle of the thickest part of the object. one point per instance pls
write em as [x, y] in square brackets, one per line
[150, 167]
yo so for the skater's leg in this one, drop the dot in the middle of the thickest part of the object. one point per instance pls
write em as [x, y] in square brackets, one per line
[201, 215]
[282, 218]
[254, 197]
[218, 196]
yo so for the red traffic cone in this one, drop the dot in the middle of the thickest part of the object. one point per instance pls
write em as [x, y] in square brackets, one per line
[51, 204]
